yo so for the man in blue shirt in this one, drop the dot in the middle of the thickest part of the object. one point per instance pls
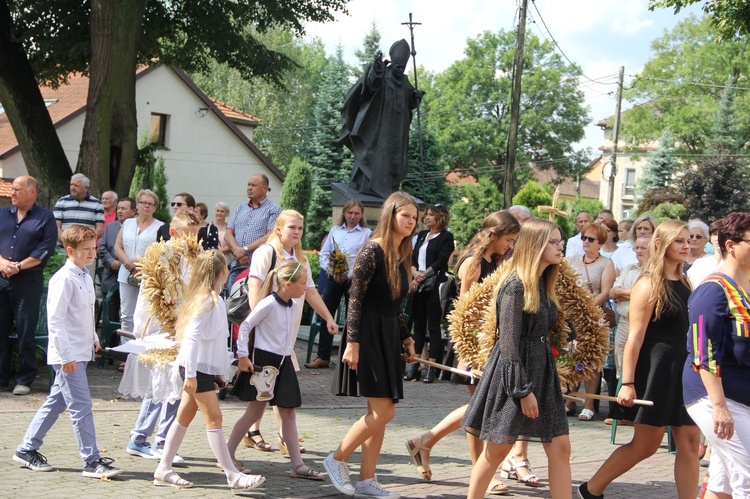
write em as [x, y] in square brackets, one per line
[28, 236]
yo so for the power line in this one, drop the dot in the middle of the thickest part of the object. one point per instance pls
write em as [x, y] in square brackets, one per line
[539, 14]
[694, 83]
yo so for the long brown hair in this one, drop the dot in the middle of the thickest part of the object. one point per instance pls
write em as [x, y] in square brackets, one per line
[402, 255]
[656, 270]
[495, 225]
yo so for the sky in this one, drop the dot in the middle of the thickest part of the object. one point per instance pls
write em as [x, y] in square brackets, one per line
[598, 35]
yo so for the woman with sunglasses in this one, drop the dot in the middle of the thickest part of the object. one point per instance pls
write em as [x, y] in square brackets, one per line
[429, 263]
[598, 275]
[698, 239]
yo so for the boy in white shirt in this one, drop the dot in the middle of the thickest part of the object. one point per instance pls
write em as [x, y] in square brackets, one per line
[72, 343]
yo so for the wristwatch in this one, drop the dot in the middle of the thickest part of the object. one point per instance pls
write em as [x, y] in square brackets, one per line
[18, 265]
[247, 250]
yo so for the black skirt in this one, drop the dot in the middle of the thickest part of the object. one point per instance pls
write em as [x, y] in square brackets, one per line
[286, 392]
[658, 377]
[379, 372]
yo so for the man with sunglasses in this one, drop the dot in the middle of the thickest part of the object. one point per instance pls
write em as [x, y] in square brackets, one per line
[574, 245]
[181, 202]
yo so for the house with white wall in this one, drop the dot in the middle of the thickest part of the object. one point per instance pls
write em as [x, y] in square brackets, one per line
[208, 148]
[630, 164]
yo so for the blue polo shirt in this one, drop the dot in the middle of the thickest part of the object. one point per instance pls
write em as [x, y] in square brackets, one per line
[34, 236]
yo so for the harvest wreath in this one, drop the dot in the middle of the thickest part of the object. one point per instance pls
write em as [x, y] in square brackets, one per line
[473, 327]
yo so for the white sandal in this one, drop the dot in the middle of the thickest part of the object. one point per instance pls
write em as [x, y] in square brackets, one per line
[172, 479]
[246, 482]
[586, 415]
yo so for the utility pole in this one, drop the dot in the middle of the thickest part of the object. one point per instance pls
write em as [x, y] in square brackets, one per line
[515, 104]
[411, 25]
[615, 137]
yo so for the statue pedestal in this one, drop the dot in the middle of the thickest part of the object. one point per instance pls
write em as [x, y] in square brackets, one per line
[341, 193]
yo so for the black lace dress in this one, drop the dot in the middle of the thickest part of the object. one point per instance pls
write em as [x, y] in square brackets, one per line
[375, 321]
[521, 363]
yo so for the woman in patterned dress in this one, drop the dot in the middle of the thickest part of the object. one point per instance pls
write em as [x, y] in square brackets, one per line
[519, 392]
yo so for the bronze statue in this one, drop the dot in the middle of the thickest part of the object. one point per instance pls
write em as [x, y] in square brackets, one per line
[375, 123]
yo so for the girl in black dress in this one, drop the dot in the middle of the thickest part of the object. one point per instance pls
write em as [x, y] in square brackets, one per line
[375, 336]
[652, 366]
[488, 249]
[519, 392]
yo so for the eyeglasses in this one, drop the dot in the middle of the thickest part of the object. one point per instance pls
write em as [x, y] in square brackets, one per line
[555, 242]
[587, 238]
[146, 203]
[696, 236]
[177, 204]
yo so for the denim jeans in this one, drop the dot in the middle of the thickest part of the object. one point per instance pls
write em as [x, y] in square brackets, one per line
[151, 413]
[70, 391]
[19, 300]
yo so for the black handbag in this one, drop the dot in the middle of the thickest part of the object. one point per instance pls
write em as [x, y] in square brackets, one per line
[428, 285]
[238, 305]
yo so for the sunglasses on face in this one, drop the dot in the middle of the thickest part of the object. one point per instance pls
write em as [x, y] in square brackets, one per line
[589, 239]
[696, 236]
[177, 204]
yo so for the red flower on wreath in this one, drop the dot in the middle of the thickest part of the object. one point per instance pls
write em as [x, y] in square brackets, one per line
[555, 352]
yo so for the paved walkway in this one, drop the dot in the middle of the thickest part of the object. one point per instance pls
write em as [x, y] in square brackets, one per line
[322, 421]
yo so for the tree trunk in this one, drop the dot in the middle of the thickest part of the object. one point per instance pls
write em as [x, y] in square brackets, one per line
[109, 143]
[40, 146]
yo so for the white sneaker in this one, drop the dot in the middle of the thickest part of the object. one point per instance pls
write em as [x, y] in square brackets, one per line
[157, 451]
[371, 488]
[338, 472]
[21, 390]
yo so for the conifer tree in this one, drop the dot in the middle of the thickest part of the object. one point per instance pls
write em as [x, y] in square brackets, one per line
[661, 166]
[295, 194]
[370, 48]
[329, 160]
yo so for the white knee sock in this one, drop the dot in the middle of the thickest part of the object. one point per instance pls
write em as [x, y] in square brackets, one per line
[221, 451]
[174, 438]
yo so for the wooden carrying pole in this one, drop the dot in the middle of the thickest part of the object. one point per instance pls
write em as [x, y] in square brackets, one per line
[609, 399]
[474, 374]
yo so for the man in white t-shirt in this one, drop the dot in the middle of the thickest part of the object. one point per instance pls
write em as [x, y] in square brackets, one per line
[574, 246]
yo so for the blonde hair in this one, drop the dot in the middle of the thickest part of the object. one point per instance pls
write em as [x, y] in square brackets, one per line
[532, 241]
[182, 220]
[286, 272]
[402, 255]
[656, 270]
[205, 271]
[495, 225]
[275, 240]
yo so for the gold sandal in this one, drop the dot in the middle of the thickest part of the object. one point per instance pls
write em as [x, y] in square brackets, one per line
[413, 451]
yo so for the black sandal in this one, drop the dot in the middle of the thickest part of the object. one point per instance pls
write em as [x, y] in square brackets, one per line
[249, 440]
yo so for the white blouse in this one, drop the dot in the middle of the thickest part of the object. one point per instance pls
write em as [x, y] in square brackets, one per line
[204, 342]
[135, 244]
[273, 320]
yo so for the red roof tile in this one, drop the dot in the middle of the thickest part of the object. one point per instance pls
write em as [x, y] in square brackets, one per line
[5, 188]
[68, 101]
[235, 114]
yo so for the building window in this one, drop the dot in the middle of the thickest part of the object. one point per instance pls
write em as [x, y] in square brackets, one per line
[157, 133]
[629, 187]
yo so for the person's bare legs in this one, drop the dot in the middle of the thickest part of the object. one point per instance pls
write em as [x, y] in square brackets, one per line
[716, 495]
[485, 467]
[380, 412]
[646, 441]
[558, 460]
[686, 463]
